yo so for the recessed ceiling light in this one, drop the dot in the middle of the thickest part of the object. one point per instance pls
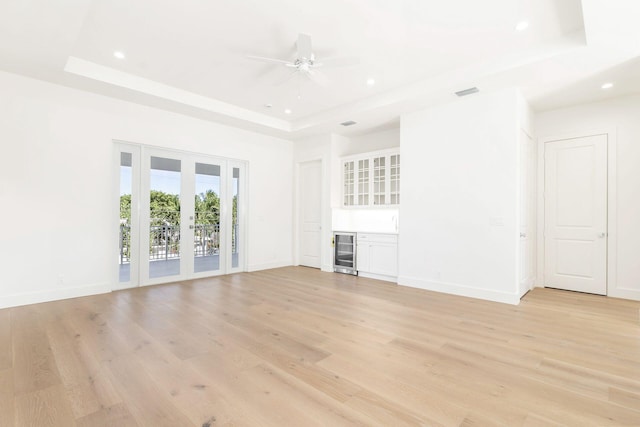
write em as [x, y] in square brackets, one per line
[371, 82]
[607, 86]
[287, 111]
[522, 25]
[118, 54]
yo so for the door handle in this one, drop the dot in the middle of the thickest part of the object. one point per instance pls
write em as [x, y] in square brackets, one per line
[191, 227]
[602, 235]
[523, 234]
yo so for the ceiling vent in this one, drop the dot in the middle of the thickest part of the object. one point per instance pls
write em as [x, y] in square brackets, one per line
[348, 123]
[469, 91]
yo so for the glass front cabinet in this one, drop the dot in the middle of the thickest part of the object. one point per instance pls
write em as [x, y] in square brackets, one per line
[371, 179]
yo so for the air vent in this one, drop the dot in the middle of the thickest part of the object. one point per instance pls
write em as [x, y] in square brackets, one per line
[469, 91]
[348, 123]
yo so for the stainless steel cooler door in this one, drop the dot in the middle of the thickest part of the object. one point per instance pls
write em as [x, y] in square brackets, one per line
[344, 255]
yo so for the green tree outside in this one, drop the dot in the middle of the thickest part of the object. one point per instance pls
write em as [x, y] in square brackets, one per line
[165, 210]
[207, 208]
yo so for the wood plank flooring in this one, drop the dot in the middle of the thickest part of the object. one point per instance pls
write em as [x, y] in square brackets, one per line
[298, 347]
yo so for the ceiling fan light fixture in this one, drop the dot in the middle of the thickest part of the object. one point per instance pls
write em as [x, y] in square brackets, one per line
[305, 63]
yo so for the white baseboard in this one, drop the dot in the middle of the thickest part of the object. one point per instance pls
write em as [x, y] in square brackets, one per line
[378, 277]
[269, 265]
[327, 268]
[456, 289]
[36, 297]
[632, 294]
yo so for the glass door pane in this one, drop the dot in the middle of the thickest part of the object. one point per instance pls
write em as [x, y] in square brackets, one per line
[348, 181]
[363, 182]
[124, 253]
[206, 231]
[379, 179]
[164, 217]
[235, 223]
[344, 250]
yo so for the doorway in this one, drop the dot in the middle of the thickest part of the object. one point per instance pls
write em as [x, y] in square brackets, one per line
[310, 213]
[575, 214]
[181, 216]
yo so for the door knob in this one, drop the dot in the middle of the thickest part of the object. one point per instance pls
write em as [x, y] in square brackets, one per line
[602, 235]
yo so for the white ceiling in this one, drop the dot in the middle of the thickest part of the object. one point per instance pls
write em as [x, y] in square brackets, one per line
[190, 56]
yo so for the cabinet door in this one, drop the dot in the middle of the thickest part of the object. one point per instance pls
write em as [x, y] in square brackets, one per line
[394, 179]
[362, 257]
[379, 180]
[363, 182]
[371, 180]
[383, 259]
[348, 181]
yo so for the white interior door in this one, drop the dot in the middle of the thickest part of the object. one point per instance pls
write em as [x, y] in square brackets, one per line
[527, 212]
[310, 196]
[575, 235]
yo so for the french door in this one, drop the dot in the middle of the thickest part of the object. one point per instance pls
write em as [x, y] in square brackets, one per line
[181, 216]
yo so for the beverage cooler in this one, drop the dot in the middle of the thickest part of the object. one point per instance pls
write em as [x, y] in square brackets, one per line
[344, 253]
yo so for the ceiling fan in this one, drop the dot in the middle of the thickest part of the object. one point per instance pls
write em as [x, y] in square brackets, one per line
[305, 63]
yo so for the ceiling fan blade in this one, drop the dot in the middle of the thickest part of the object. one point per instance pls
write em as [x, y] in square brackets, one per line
[304, 46]
[318, 77]
[342, 61]
[271, 60]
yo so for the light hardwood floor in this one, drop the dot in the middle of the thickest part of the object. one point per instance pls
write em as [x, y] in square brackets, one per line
[297, 347]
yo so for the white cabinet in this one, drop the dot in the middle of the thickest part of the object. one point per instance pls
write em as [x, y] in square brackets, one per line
[371, 179]
[377, 256]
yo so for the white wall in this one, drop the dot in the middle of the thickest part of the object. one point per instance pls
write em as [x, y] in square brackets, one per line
[360, 220]
[623, 115]
[460, 197]
[57, 181]
[373, 141]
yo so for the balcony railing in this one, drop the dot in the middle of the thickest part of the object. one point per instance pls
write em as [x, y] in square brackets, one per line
[206, 239]
[164, 241]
